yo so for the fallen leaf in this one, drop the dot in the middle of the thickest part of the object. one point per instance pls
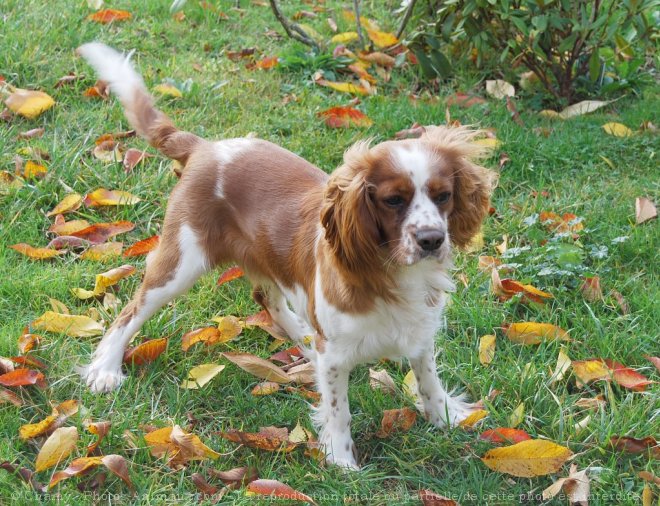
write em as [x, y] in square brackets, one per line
[99, 429]
[28, 341]
[68, 204]
[200, 375]
[32, 133]
[344, 38]
[265, 388]
[200, 482]
[11, 397]
[146, 352]
[487, 349]
[276, 489]
[647, 495]
[263, 320]
[517, 416]
[238, 55]
[57, 447]
[581, 108]
[344, 117]
[142, 247]
[473, 418]
[265, 63]
[644, 210]
[591, 289]
[378, 58]
[62, 227]
[591, 370]
[36, 253]
[463, 100]
[650, 477]
[109, 16]
[168, 90]
[396, 420]
[108, 152]
[576, 486]
[505, 289]
[343, 87]
[621, 302]
[102, 252]
[34, 170]
[591, 402]
[617, 129]
[230, 274]
[101, 89]
[382, 39]
[55, 420]
[367, 23]
[488, 263]
[563, 364]
[534, 333]
[205, 335]
[636, 446]
[71, 325]
[101, 232]
[430, 498]
[258, 367]
[655, 361]
[410, 388]
[381, 380]
[500, 89]
[180, 446]
[599, 369]
[103, 197]
[9, 180]
[22, 377]
[132, 157]
[237, 477]
[534, 457]
[114, 463]
[627, 377]
[488, 142]
[515, 116]
[303, 374]
[68, 241]
[29, 103]
[505, 435]
[268, 438]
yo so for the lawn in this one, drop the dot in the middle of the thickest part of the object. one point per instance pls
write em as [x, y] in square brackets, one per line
[570, 166]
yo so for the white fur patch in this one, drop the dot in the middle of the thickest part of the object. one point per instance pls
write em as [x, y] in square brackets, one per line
[227, 150]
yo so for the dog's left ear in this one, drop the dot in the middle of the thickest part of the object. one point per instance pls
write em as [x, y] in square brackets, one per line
[348, 214]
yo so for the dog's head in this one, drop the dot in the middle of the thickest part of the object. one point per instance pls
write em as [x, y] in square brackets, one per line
[407, 200]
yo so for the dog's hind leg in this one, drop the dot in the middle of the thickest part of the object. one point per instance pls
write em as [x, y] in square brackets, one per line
[271, 298]
[171, 270]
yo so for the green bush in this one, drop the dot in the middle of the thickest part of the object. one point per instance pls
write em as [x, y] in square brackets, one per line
[571, 46]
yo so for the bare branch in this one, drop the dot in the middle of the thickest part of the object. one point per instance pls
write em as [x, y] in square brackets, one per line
[292, 29]
[358, 23]
[406, 18]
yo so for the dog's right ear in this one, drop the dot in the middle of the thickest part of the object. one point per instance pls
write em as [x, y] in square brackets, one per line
[348, 214]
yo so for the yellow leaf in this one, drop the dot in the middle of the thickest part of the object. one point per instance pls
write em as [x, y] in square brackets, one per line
[36, 253]
[591, 370]
[111, 277]
[563, 364]
[191, 447]
[534, 457]
[201, 375]
[382, 39]
[168, 90]
[344, 38]
[343, 87]
[103, 197]
[517, 415]
[265, 388]
[488, 142]
[474, 418]
[102, 252]
[410, 387]
[549, 113]
[369, 24]
[34, 170]
[534, 333]
[258, 367]
[487, 349]
[69, 203]
[617, 129]
[57, 447]
[581, 108]
[71, 325]
[29, 103]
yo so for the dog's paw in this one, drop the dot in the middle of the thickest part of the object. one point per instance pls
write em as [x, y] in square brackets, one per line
[454, 412]
[101, 379]
[347, 463]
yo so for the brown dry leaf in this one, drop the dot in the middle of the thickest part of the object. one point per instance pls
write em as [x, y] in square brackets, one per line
[145, 352]
[99, 429]
[200, 375]
[534, 333]
[268, 438]
[114, 463]
[378, 58]
[57, 447]
[381, 380]
[621, 302]
[10, 397]
[230, 274]
[265, 388]
[68, 241]
[31, 134]
[71, 325]
[59, 415]
[237, 477]
[515, 116]
[103, 197]
[29, 103]
[101, 89]
[101, 232]
[591, 289]
[302, 374]
[180, 446]
[654, 360]
[258, 367]
[68, 204]
[488, 263]
[591, 402]
[430, 498]
[263, 320]
[106, 16]
[535, 457]
[276, 489]
[576, 485]
[396, 420]
[103, 252]
[505, 435]
[198, 479]
[36, 253]
[634, 445]
[650, 477]
[644, 210]
[23, 377]
[133, 156]
[142, 247]
[463, 100]
[487, 349]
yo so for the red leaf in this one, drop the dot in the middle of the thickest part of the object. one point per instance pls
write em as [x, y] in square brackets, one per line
[230, 274]
[504, 435]
[101, 232]
[142, 247]
[22, 377]
[344, 117]
[108, 16]
[463, 100]
[145, 352]
[634, 445]
[134, 156]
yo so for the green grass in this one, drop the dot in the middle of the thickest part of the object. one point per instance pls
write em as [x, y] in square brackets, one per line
[38, 41]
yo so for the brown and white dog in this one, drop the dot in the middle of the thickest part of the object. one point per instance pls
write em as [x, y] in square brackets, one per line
[359, 259]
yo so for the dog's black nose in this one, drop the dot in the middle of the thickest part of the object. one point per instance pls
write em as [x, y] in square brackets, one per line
[430, 239]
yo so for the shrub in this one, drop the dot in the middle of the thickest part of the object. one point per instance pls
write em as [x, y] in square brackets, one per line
[560, 41]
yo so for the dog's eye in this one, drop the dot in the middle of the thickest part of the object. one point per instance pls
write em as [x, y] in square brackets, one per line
[442, 198]
[394, 201]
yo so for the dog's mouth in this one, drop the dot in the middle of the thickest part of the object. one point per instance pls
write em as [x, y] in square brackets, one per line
[410, 256]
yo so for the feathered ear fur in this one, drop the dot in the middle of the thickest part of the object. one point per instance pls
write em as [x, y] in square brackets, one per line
[473, 184]
[348, 214]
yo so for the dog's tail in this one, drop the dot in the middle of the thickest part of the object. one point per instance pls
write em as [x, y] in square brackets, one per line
[150, 123]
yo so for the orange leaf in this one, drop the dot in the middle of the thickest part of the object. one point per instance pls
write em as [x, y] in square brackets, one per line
[103, 197]
[230, 274]
[562, 224]
[463, 100]
[344, 117]
[268, 438]
[142, 247]
[396, 420]
[36, 253]
[237, 477]
[29, 361]
[23, 377]
[263, 320]
[627, 377]
[34, 170]
[205, 335]
[102, 252]
[180, 446]
[134, 156]
[430, 498]
[274, 488]
[99, 429]
[258, 367]
[109, 15]
[534, 333]
[504, 435]
[266, 63]
[68, 204]
[146, 352]
[507, 288]
[265, 388]
[101, 232]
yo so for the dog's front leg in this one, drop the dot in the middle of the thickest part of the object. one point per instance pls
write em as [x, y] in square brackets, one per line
[440, 408]
[332, 417]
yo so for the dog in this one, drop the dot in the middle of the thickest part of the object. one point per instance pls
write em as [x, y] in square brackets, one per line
[360, 260]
